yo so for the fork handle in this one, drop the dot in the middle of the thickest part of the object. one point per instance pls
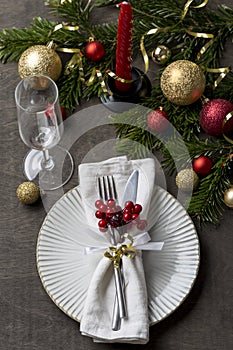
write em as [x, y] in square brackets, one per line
[120, 292]
[116, 320]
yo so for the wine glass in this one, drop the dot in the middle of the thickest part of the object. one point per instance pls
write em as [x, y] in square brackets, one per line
[41, 128]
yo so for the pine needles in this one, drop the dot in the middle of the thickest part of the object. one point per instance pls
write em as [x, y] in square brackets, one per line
[131, 127]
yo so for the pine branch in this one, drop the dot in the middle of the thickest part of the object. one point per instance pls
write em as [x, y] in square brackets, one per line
[70, 89]
[185, 119]
[213, 148]
[13, 42]
[135, 139]
[207, 202]
[102, 3]
[71, 11]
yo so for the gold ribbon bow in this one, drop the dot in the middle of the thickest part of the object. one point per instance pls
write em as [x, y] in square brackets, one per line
[115, 254]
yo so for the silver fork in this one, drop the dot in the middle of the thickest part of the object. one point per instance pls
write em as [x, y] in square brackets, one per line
[107, 190]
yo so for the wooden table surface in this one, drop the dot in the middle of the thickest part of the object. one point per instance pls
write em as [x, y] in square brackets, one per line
[29, 320]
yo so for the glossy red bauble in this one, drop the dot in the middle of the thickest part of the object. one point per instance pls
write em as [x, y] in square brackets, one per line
[202, 165]
[94, 51]
[157, 120]
[212, 116]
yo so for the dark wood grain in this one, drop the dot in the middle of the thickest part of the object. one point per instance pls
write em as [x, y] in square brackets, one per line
[29, 320]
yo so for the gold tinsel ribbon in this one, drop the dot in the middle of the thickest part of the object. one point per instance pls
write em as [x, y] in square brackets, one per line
[101, 78]
[55, 3]
[227, 128]
[202, 35]
[222, 71]
[188, 5]
[77, 54]
[97, 72]
[166, 29]
[77, 60]
[115, 254]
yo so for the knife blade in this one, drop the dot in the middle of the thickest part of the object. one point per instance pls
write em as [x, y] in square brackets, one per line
[131, 188]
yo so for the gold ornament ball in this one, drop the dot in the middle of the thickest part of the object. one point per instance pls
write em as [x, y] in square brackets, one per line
[28, 192]
[161, 54]
[183, 82]
[187, 180]
[40, 60]
[228, 197]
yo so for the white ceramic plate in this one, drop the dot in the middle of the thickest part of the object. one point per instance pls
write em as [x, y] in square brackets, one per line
[65, 271]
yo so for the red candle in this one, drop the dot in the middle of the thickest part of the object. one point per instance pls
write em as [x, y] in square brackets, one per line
[124, 45]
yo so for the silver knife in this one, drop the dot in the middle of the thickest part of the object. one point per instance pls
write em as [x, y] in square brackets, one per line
[130, 194]
[131, 188]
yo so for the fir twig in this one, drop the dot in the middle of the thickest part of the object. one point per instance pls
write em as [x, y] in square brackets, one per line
[13, 42]
[135, 138]
[207, 202]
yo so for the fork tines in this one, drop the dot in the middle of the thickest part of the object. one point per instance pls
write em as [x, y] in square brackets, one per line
[107, 187]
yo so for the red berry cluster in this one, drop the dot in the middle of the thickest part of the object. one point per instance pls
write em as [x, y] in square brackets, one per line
[111, 214]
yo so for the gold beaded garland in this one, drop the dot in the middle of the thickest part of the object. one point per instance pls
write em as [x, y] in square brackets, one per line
[187, 180]
[228, 197]
[183, 82]
[28, 192]
[42, 60]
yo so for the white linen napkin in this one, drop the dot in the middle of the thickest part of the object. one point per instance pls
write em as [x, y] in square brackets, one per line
[97, 314]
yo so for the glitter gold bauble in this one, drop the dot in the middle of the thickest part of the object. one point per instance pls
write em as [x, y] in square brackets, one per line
[183, 82]
[187, 180]
[28, 192]
[228, 197]
[40, 60]
[160, 54]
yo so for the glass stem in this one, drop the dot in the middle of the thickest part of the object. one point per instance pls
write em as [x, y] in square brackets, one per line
[47, 161]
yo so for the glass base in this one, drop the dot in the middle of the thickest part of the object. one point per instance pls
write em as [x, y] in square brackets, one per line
[53, 178]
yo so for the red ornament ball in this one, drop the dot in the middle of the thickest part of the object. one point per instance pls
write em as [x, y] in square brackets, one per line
[157, 120]
[202, 165]
[213, 114]
[95, 51]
